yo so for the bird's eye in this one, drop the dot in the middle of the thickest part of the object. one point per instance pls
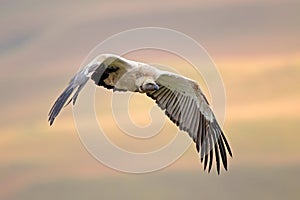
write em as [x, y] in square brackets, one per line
[113, 68]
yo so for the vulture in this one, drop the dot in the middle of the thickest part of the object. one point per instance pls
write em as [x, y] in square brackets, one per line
[179, 97]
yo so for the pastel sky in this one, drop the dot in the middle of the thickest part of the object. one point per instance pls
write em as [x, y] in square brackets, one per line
[254, 44]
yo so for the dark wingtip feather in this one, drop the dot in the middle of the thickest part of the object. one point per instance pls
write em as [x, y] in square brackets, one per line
[51, 121]
[197, 146]
[221, 139]
[226, 144]
[216, 152]
[210, 161]
[59, 103]
[211, 153]
[205, 161]
[222, 152]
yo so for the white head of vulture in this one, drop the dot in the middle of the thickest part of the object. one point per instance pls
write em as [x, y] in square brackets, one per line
[181, 99]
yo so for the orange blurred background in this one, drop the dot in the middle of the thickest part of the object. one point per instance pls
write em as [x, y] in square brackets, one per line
[255, 45]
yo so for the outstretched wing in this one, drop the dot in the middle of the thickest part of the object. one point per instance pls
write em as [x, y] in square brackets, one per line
[76, 83]
[99, 70]
[185, 104]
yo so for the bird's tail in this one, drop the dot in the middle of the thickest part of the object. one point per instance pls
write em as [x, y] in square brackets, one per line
[77, 83]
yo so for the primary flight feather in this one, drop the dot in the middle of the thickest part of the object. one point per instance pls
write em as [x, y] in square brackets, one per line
[181, 98]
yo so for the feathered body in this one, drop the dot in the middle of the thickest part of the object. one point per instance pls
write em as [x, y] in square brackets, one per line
[181, 99]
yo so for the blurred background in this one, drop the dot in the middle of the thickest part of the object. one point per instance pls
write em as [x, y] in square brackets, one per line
[255, 45]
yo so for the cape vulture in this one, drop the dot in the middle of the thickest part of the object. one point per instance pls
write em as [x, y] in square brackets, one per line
[179, 97]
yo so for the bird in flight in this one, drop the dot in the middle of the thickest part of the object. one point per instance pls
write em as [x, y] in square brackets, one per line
[179, 97]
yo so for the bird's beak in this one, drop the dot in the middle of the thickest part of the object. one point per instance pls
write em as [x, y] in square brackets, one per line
[149, 87]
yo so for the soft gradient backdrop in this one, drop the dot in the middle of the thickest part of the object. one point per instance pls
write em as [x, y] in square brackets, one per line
[255, 45]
